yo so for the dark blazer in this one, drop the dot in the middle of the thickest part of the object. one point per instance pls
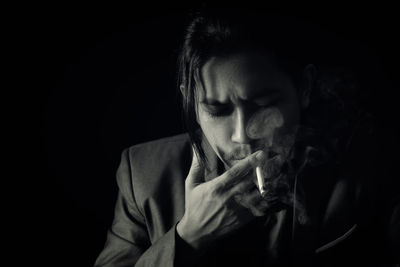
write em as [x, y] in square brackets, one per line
[356, 215]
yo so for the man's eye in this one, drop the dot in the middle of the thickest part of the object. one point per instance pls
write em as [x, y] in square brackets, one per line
[217, 111]
[270, 103]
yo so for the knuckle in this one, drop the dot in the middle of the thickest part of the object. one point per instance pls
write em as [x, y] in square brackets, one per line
[237, 198]
[256, 212]
[238, 172]
[241, 187]
[219, 187]
[187, 180]
[233, 172]
[214, 192]
[249, 160]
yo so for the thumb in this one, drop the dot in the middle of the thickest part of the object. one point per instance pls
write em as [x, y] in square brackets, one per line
[196, 173]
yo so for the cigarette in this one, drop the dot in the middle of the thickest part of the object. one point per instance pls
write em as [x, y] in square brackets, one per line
[260, 180]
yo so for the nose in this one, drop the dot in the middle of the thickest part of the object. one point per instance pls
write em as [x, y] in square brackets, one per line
[239, 134]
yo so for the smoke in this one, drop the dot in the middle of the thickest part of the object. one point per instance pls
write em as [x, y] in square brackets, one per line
[264, 123]
[280, 172]
[287, 157]
[322, 137]
[337, 107]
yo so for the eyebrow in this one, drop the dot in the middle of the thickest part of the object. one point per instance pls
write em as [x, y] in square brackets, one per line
[260, 94]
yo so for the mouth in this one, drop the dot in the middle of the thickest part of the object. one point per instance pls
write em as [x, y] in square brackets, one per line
[270, 154]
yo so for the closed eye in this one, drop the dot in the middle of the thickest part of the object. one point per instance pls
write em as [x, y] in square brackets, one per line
[264, 104]
[217, 110]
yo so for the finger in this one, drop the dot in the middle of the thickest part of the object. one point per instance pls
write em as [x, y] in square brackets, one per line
[243, 187]
[256, 210]
[252, 198]
[240, 170]
[196, 173]
[260, 209]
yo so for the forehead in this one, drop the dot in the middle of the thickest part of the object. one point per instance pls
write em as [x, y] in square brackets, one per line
[241, 76]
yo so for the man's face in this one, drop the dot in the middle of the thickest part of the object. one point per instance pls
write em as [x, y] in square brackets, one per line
[247, 104]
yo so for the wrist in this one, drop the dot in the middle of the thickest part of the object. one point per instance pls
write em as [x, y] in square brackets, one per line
[188, 235]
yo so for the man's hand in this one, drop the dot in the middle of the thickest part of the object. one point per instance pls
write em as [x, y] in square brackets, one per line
[222, 205]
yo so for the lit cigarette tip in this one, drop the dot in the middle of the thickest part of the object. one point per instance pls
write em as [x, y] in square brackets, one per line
[260, 180]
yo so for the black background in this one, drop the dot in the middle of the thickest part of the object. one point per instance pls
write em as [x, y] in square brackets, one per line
[108, 81]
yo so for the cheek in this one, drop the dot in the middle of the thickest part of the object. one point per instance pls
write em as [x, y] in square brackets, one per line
[216, 130]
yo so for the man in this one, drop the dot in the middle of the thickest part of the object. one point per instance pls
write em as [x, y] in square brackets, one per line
[196, 200]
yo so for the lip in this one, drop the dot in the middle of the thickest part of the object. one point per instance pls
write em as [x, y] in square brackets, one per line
[268, 150]
[243, 157]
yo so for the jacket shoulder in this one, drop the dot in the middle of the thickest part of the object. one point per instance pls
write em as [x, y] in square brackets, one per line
[164, 149]
[180, 138]
[158, 163]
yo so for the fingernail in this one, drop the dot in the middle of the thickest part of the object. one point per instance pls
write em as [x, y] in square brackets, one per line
[260, 155]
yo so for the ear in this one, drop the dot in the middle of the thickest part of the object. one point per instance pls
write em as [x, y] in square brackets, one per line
[309, 76]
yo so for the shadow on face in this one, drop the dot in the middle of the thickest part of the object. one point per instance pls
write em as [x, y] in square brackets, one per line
[246, 103]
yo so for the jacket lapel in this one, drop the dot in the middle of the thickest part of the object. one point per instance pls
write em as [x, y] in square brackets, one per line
[330, 204]
[339, 220]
